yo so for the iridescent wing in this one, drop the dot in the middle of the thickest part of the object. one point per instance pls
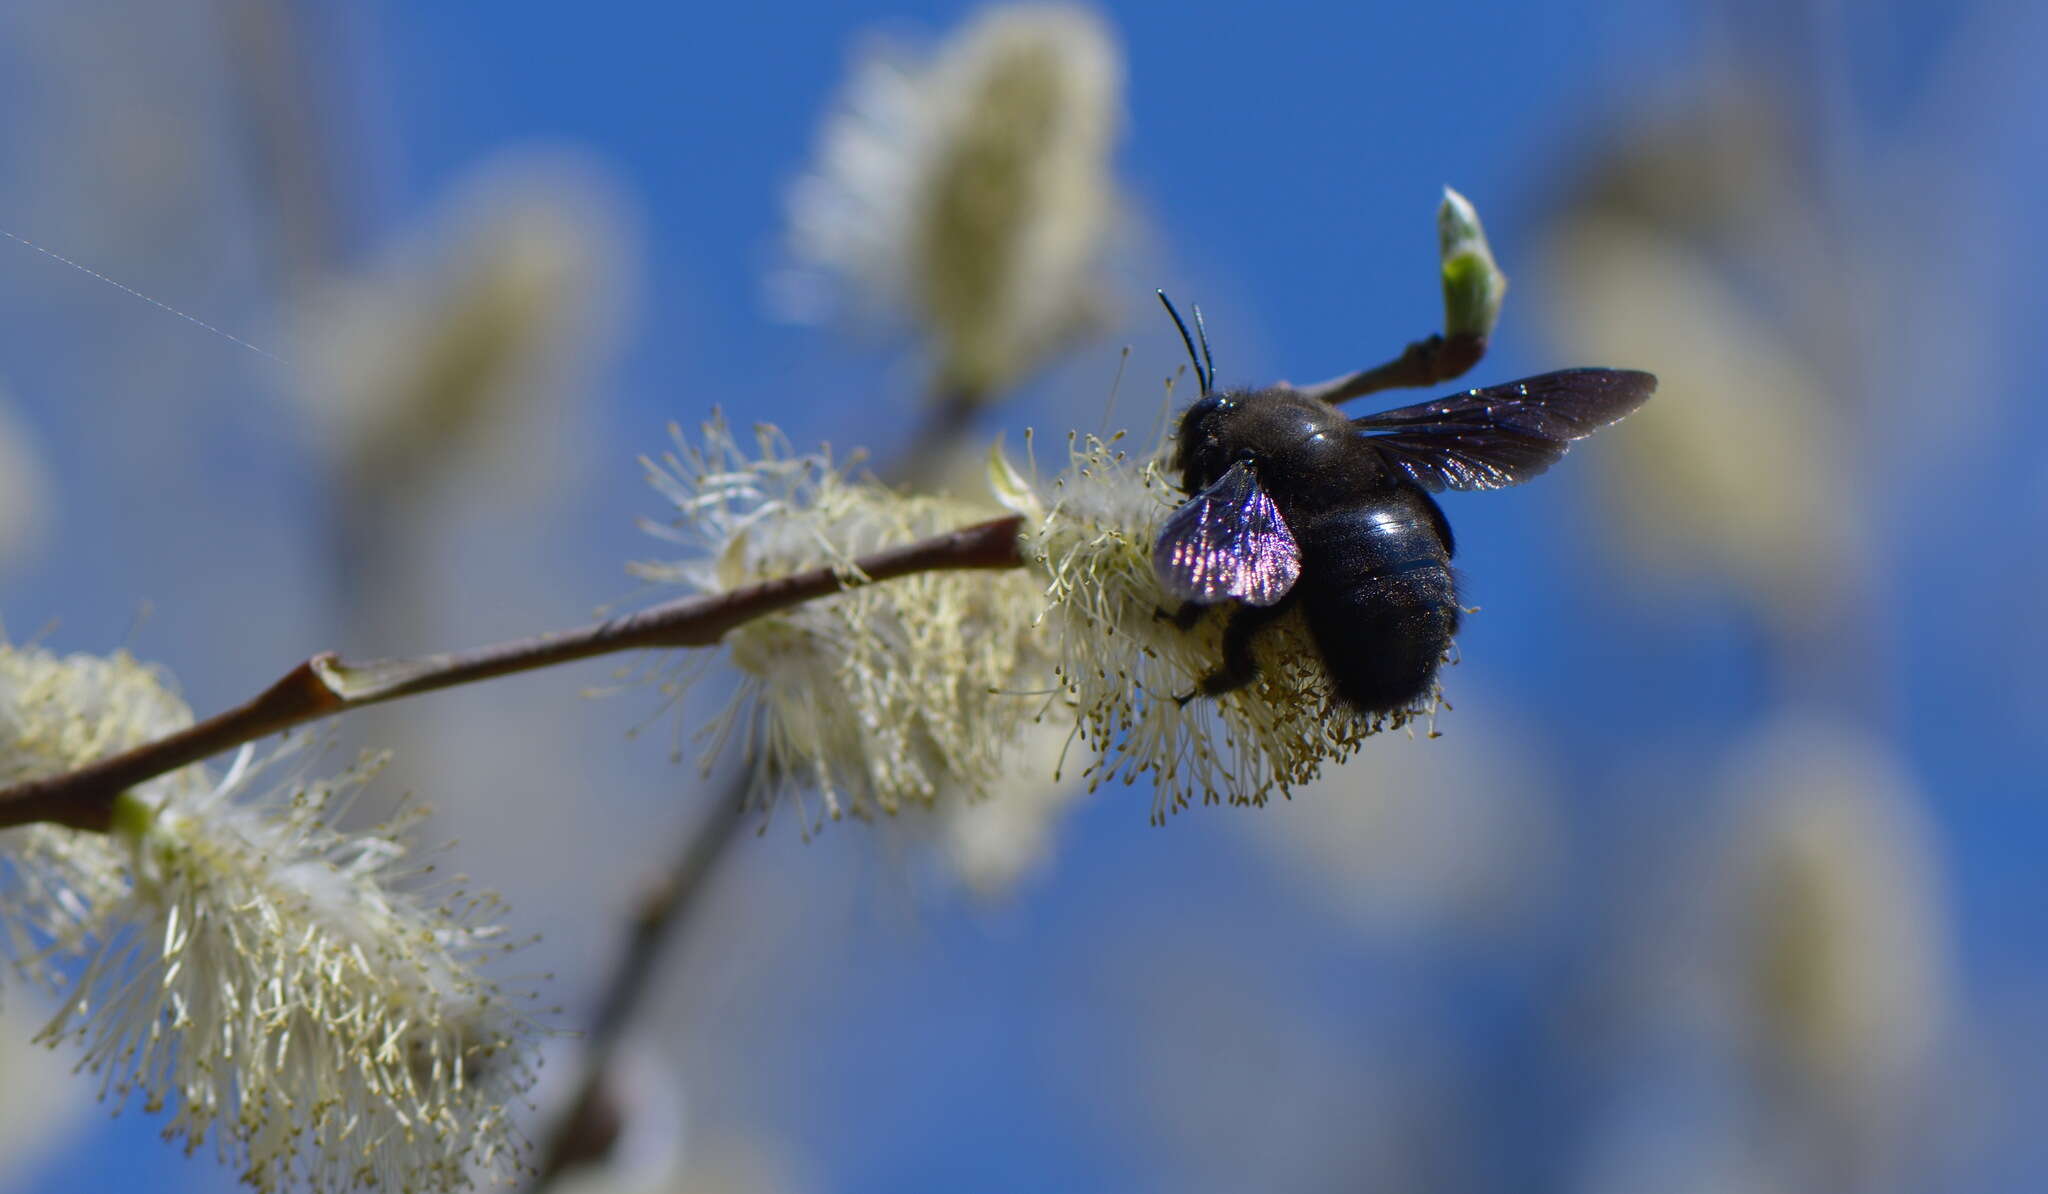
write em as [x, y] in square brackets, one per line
[1502, 435]
[1228, 541]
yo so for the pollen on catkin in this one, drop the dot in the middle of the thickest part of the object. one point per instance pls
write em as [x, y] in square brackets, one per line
[875, 698]
[302, 999]
[1127, 672]
[893, 693]
[58, 713]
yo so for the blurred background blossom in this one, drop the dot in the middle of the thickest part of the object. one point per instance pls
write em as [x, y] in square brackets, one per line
[417, 369]
[966, 190]
[25, 487]
[1725, 871]
[1426, 847]
[46, 1108]
[998, 846]
[1840, 938]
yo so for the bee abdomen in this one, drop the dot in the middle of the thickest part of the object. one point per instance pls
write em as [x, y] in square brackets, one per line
[1381, 641]
[1384, 606]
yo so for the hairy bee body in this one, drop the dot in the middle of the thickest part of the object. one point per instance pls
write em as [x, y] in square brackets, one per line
[1379, 597]
[1293, 505]
[1375, 588]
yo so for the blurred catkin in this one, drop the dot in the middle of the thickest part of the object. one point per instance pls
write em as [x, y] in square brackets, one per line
[968, 194]
[499, 301]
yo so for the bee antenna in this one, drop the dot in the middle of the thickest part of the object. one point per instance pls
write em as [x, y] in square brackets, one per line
[1208, 362]
[1206, 376]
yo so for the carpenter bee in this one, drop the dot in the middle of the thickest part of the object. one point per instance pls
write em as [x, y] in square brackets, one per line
[1292, 504]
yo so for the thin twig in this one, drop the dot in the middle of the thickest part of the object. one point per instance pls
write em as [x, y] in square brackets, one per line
[325, 685]
[1423, 363]
[948, 416]
[587, 1130]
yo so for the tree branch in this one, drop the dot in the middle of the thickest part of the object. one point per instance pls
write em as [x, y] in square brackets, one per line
[325, 685]
[586, 1132]
[1423, 363]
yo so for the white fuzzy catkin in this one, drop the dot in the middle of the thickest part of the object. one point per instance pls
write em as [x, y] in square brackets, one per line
[874, 698]
[891, 693]
[295, 996]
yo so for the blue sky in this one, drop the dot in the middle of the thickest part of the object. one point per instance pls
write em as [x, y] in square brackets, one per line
[1284, 162]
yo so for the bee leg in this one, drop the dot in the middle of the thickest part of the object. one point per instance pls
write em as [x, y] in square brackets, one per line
[1184, 618]
[1239, 668]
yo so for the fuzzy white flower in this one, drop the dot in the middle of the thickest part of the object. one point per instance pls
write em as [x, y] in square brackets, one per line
[970, 191]
[894, 692]
[873, 698]
[289, 991]
[58, 713]
[1127, 670]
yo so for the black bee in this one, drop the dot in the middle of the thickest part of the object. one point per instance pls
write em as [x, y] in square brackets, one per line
[1293, 504]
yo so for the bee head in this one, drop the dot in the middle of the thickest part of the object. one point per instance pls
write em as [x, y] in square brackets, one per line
[1199, 455]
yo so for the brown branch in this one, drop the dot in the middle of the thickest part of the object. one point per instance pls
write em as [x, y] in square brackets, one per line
[324, 685]
[948, 416]
[587, 1131]
[1423, 363]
